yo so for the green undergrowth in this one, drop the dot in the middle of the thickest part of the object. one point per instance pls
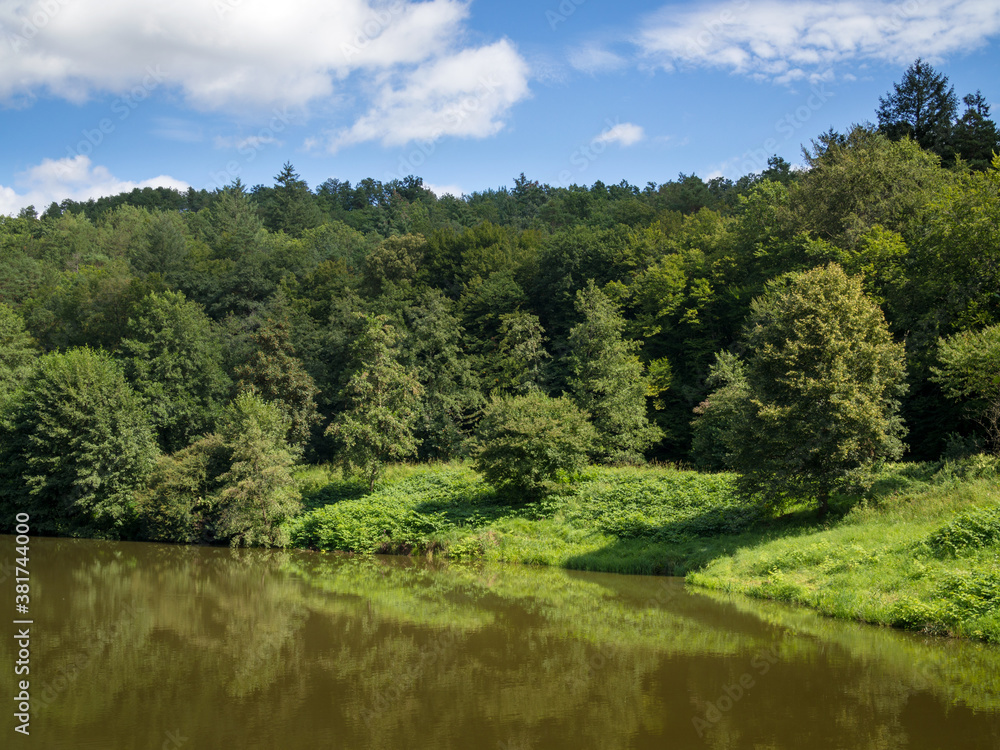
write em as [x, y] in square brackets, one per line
[923, 553]
[920, 551]
[624, 520]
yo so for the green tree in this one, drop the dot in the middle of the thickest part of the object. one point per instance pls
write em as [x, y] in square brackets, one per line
[970, 370]
[526, 443]
[179, 502]
[607, 379]
[721, 417]
[825, 379]
[921, 106]
[258, 490]
[382, 399]
[276, 374]
[291, 208]
[78, 445]
[18, 352]
[173, 359]
[976, 138]
[434, 353]
[521, 353]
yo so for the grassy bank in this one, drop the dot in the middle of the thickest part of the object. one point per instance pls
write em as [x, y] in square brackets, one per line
[920, 551]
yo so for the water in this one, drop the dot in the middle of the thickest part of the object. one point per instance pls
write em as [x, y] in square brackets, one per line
[152, 646]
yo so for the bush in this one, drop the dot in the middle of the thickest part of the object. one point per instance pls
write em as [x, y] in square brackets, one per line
[78, 445]
[526, 444]
[968, 532]
[178, 503]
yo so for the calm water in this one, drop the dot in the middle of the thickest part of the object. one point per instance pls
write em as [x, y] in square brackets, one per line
[149, 646]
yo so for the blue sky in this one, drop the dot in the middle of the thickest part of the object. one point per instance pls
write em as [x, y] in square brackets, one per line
[99, 96]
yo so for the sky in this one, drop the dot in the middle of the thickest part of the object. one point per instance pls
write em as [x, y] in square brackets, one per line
[100, 96]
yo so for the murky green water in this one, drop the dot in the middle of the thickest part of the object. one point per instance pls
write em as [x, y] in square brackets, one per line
[149, 646]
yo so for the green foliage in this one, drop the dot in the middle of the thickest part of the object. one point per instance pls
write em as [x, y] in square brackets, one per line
[970, 369]
[525, 444]
[922, 106]
[18, 352]
[377, 425]
[607, 380]
[825, 380]
[968, 532]
[922, 557]
[433, 351]
[274, 373]
[258, 491]
[521, 354]
[78, 445]
[179, 502]
[173, 359]
[720, 419]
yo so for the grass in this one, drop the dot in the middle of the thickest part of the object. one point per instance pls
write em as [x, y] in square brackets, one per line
[920, 551]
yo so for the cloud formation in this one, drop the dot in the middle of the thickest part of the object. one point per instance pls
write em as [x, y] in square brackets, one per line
[802, 39]
[623, 133]
[75, 178]
[254, 55]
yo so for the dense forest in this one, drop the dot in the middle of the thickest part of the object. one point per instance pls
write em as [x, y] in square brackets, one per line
[163, 352]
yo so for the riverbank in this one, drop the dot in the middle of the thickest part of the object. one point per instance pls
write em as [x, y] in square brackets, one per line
[919, 551]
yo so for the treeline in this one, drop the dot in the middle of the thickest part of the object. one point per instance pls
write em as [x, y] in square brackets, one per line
[156, 345]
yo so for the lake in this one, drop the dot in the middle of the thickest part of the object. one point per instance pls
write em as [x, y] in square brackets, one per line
[154, 646]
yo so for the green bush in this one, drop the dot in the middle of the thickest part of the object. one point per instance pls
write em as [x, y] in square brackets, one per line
[967, 532]
[178, 503]
[78, 445]
[526, 444]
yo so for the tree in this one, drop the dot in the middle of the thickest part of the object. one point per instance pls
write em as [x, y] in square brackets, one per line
[922, 106]
[173, 359]
[276, 374]
[526, 443]
[970, 369]
[433, 352]
[18, 352]
[292, 208]
[720, 417]
[521, 353]
[377, 425]
[824, 379]
[258, 491]
[78, 445]
[976, 138]
[607, 380]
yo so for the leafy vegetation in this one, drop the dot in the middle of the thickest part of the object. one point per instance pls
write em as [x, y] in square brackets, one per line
[168, 361]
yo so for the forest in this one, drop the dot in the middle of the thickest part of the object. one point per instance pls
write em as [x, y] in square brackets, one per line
[169, 361]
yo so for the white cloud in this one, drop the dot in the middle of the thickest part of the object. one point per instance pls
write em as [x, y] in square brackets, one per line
[788, 41]
[442, 190]
[593, 59]
[623, 133]
[255, 55]
[71, 177]
[466, 95]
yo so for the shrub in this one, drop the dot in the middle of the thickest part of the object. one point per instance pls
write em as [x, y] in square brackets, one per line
[526, 443]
